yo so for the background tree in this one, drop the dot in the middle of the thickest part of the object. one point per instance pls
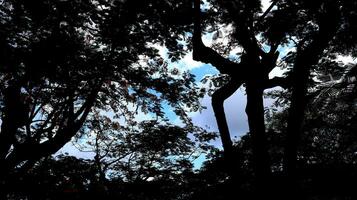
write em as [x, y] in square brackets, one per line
[152, 150]
[60, 60]
[63, 177]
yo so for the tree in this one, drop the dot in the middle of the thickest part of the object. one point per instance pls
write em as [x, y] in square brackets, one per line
[62, 59]
[46, 92]
[325, 153]
[152, 150]
[307, 27]
[67, 65]
[63, 177]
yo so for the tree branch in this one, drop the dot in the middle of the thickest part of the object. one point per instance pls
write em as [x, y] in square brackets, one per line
[34, 151]
[218, 99]
[205, 54]
[283, 82]
[267, 11]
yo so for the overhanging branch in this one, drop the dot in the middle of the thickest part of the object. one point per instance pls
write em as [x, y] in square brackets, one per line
[205, 54]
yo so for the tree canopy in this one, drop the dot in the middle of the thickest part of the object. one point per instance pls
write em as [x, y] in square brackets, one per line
[82, 71]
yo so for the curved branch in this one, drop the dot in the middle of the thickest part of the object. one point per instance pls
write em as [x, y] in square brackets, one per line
[33, 151]
[218, 99]
[205, 54]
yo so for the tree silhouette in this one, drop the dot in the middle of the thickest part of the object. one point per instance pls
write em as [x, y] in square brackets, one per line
[85, 69]
[311, 27]
[63, 60]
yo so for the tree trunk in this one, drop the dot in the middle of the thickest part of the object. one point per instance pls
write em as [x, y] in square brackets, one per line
[306, 58]
[255, 113]
[13, 117]
[218, 99]
[231, 160]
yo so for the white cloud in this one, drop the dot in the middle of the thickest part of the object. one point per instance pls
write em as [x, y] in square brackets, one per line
[71, 150]
[163, 51]
[265, 4]
[187, 63]
[234, 106]
[276, 72]
[346, 59]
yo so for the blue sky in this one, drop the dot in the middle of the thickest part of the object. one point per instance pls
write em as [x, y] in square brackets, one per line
[234, 106]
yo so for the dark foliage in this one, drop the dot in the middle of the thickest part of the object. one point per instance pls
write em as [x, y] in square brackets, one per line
[82, 70]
